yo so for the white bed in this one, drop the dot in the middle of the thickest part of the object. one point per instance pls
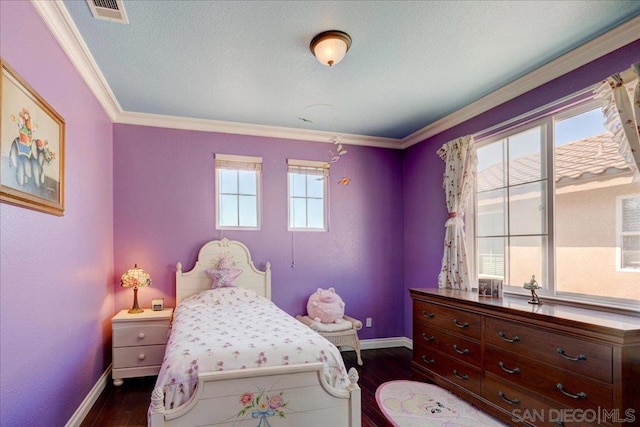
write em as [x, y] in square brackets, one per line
[294, 394]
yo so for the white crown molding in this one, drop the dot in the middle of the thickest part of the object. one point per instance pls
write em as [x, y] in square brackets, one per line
[205, 125]
[57, 18]
[614, 39]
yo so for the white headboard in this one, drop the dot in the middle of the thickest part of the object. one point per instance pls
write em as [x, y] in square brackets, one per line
[196, 280]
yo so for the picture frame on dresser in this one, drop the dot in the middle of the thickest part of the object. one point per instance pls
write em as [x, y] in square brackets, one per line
[32, 147]
[489, 287]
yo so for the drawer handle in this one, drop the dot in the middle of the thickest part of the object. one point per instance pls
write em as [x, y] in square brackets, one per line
[465, 351]
[581, 395]
[506, 399]
[426, 338]
[507, 370]
[141, 356]
[141, 335]
[427, 361]
[428, 315]
[504, 337]
[575, 359]
[460, 377]
[460, 325]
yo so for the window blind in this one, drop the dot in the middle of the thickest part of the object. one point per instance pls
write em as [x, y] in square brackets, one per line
[236, 162]
[544, 111]
[308, 167]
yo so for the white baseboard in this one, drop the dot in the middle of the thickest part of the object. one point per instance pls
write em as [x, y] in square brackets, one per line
[375, 343]
[86, 405]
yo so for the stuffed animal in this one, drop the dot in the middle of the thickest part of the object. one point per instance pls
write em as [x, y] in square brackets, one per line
[326, 306]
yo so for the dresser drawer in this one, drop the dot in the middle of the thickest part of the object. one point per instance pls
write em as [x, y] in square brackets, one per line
[547, 380]
[438, 317]
[579, 356]
[140, 333]
[466, 376]
[131, 357]
[525, 407]
[452, 345]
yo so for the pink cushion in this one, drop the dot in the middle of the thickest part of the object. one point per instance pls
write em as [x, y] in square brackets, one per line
[224, 276]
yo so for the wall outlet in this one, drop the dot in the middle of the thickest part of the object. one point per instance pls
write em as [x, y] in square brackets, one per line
[368, 322]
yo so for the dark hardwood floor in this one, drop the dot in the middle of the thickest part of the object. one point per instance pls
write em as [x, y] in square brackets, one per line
[127, 405]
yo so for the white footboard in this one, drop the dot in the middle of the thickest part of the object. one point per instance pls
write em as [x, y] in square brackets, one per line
[292, 396]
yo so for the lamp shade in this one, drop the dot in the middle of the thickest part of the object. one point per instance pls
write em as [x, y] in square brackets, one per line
[330, 47]
[135, 278]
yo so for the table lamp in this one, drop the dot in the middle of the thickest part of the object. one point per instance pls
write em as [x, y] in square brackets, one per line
[135, 278]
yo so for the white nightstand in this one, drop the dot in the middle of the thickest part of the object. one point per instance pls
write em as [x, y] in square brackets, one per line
[139, 341]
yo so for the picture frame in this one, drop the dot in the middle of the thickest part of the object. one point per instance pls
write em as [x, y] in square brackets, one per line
[484, 287]
[496, 289]
[489, 288]
[32, 137]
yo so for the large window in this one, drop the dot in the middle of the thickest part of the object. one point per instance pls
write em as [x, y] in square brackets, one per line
[238, 192]
[307, 194]
[554, 199]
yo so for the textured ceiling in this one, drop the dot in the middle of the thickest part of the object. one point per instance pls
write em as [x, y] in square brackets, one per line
[410, 64]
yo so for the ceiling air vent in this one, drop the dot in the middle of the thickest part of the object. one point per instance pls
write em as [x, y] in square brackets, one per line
[111, 10]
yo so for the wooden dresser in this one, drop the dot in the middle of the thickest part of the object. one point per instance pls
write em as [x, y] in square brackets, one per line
[549, 364]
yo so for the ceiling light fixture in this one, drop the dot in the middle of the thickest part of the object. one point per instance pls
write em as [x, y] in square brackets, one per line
[330, 47]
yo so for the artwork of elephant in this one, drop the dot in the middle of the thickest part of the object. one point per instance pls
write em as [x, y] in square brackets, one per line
[28, 155]
[29, 161]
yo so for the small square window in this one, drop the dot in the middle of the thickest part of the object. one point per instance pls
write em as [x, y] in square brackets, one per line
[307, 194]
[237, 192]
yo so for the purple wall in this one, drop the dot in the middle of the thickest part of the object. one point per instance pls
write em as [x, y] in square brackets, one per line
[164, 211]
[146, 195]
[424, 208]
[56, 273]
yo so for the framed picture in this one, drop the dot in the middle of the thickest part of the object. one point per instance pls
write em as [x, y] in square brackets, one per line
[490, 288]
[31, 147]
[496, 288]
[484, 287]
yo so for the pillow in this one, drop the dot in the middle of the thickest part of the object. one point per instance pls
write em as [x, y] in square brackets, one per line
[224, 276]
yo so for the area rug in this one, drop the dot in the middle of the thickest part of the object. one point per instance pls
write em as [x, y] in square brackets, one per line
[417, 404]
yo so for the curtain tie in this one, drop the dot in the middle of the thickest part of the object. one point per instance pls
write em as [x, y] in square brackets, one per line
[455, 218]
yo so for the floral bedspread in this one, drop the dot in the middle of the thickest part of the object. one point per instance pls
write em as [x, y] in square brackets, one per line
[235, 328]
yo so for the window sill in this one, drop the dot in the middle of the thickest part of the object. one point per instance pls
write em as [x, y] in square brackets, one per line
[625, 307]
[228, 228]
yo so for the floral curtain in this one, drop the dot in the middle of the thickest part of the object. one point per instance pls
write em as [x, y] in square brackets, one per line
[461, 163]
[621, 107]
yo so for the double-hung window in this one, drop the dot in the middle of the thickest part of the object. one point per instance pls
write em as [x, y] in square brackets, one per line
[555, 199]
[307, 194]
[238, 192]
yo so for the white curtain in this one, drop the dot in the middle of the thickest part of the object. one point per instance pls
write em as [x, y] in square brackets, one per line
[461, 162]
[621, 107]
